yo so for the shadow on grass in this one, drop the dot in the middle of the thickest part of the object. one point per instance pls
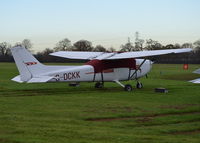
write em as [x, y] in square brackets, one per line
[56, 91]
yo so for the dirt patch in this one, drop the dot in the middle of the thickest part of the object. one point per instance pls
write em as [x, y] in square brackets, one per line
[144, 118]
[171, 123]
[182, 106]
[7, 141]
[187, 132]
[33, 92]
[112, 109]
[117, 109]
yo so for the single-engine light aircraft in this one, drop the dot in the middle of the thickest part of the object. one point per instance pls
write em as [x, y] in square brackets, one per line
[101, 67]
[198, 79]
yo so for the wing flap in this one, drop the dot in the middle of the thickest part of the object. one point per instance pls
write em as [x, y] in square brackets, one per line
[77, 55]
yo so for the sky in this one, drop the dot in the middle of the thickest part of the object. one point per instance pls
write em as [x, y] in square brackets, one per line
[105, 22]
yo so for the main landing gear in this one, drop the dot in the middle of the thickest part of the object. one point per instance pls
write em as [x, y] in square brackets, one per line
[139, 85]
[99, 85]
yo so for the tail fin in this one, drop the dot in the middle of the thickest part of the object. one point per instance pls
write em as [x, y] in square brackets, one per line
[27, 64]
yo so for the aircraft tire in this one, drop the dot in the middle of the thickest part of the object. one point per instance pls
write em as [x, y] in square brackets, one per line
[98, 85]
[139, 85]
[128, 87]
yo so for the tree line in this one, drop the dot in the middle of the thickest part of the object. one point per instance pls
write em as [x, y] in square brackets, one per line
[85, 45]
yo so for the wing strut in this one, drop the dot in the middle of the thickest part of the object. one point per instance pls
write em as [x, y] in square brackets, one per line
[99, 84]
[102, 77]
[135, 73]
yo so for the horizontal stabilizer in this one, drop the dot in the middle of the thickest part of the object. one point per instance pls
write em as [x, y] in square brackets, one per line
[17, 79]
[195, 80]
[40, 79]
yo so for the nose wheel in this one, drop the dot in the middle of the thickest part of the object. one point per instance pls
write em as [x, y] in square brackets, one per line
[128, 87]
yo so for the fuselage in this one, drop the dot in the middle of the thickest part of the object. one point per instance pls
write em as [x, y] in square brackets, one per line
[90, 73]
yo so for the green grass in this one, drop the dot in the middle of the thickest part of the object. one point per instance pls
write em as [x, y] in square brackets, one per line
[57, 113]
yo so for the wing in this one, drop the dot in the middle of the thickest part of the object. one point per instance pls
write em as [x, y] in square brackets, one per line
[197, 71]
[112, 56]
[196, 80]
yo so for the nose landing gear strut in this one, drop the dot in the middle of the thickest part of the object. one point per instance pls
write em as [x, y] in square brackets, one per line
[126, 87]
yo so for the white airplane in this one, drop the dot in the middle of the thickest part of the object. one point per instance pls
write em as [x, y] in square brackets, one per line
[101, 67]
[198, 79]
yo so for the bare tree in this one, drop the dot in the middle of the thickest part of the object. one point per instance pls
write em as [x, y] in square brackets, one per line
[177, 46]
[99, 48]
[111, 49]
[158, 46]
[63, 45]
[149, 44]
[26, 43]
[153, 45]
[169, 46]
[187, 45]
[47, 51]
[5, 49]
[44, 55]
[139, 45]
[127, 47]
[83, 45]
[138, 42]
[197, 45]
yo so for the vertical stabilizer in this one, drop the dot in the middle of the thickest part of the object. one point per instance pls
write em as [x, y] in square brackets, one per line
[27, 64]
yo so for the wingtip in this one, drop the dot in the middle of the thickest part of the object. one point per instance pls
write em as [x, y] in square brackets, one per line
[16, 47]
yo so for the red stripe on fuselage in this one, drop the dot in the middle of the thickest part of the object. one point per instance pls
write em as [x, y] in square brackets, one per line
[104, 71]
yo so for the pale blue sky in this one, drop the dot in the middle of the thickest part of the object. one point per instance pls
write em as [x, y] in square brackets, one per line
[106, 22]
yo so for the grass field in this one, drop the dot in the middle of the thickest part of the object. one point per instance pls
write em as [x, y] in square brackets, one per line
[57, 113]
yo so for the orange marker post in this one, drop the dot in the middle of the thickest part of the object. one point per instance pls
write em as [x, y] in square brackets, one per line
[185, 66]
